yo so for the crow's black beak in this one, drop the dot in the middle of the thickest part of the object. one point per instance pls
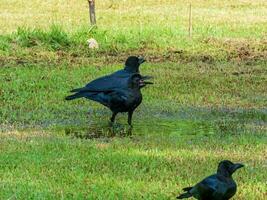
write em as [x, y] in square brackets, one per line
[141, 60]
[237, 166]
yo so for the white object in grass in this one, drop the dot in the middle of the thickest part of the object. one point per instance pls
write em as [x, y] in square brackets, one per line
[92, 43]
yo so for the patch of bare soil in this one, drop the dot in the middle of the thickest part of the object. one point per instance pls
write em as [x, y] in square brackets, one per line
[241, 49]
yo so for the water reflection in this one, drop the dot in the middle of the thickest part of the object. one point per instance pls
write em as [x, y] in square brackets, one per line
[97, 131]
[161, 126]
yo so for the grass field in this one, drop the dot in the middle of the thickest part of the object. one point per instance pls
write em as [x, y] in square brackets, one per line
[208, 102]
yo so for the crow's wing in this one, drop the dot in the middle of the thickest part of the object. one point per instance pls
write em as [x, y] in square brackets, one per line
[205, 188]
[226, 188]
[118, 97]
[104, 84]
[116, 80]
[110, 98]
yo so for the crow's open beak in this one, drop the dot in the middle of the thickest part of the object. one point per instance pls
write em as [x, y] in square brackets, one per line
[143, 83]
[141, 60]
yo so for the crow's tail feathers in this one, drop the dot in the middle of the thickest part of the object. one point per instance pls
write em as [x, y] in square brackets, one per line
[74, 96]
[184, 195]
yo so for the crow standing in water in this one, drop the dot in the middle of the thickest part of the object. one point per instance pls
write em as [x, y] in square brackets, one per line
[117, 99]
[219, 186]
[117, 79]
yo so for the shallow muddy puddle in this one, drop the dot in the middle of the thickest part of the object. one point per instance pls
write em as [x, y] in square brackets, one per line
[168, 127]
[184, 122]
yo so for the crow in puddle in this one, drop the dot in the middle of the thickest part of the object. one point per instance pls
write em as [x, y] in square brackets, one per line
[117, 79]
[117, 99]
[219, 186]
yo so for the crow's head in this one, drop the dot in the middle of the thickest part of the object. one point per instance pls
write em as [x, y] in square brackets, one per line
[132, 64]
[137, 81]
[227, 168]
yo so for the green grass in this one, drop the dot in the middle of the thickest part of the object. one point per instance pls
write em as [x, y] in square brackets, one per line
[40, 166]
[208, 102]
[187, 123]
[35, 94]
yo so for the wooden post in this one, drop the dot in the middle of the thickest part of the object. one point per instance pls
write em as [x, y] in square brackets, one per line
[92, 12]
[190, 21]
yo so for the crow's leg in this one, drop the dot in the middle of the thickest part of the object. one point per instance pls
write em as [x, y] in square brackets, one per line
[112, 119]
[129, 131]
[130, 114]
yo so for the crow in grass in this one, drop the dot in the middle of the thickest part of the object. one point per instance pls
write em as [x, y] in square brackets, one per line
[117, 79]
[118, 99]
[219, 186]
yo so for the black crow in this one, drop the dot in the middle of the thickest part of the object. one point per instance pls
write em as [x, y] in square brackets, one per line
[117, 79]
[219, 186]
[124, 99]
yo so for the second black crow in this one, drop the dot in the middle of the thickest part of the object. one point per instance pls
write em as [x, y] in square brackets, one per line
[219, 186]
[119, 99]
